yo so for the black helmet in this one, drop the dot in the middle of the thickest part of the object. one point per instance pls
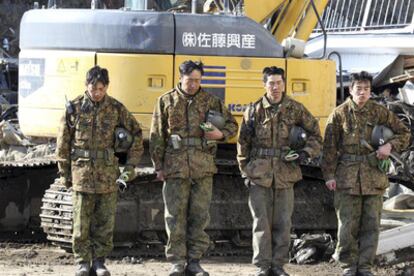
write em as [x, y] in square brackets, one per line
[216, 119]
[123, 140]
[381, 135]
[297, 138]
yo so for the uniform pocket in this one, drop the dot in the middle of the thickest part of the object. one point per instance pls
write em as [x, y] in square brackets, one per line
[176, 117]
[379, 179]
[285, 126]
[175, 162]
[346, 174]
[83, 129]
[350, 136]
[260, 172]
[201, 164]
[106, 129]
[287, 174]
[264, 132]
[80, 170]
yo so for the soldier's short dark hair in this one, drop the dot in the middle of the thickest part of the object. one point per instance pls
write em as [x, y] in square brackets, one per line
[361, 76]
[188, 66]
[97, 74]
[273, 70]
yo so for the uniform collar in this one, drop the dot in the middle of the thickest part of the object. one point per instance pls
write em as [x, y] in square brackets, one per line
[88, 101]
[355, 107]
[266, 103]
[184, 94]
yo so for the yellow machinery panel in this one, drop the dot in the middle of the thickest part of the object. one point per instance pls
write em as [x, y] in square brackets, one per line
[137, 81]
[312, 83]
[45, 78]
[236, 80]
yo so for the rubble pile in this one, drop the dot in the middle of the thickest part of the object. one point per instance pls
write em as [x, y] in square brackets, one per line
[15, 148]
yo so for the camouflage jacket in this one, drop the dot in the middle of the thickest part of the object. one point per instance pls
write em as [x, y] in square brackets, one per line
[90, 129]
[178, 113]
[264, 128]
[346, 126]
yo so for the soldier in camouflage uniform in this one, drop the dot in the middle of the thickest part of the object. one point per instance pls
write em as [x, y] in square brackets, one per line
[358, 184]
[85, 148]
[262, 151]
[183, 156]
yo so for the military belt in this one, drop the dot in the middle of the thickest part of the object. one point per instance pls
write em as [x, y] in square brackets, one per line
[192, 141]
[189, 141]
[353, 157]
[92, 154]
[266, 152]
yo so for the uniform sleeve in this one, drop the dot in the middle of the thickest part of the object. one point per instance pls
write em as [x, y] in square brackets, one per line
[244, 142]
[230, 128]
[136, 150]
[313, 144]
[330, 148]
[402, 134]
[63, 149]
[157, 136]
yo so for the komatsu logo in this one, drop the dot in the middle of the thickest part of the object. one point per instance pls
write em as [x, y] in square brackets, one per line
[237, 107]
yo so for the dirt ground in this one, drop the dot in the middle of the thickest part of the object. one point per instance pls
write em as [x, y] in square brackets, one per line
[45, 259]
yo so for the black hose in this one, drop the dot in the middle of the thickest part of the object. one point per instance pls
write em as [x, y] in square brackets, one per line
[325, 36]
[341, 84]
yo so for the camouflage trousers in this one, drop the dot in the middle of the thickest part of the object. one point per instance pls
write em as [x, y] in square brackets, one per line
[271, 210]
[358, 228]
[93, 225]
[187, 207]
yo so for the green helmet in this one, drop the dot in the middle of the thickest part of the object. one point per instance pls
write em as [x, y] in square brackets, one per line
[123, 140]
[216, 119]
[381, 135]
[297, 138]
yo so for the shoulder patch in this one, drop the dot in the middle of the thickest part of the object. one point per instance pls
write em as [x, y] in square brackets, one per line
[342, 107]
[295, 103]
[378, 105]
[116, 102]
[77, 99]
[257, 102]
[168, 92]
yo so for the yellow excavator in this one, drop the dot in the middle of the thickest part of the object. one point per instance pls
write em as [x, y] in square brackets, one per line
[142, 45]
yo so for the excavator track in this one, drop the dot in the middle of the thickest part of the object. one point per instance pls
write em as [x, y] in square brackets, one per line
[56, 214]
[139, 228]
[22, 188]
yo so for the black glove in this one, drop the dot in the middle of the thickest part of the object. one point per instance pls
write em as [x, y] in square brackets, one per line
[303, 156]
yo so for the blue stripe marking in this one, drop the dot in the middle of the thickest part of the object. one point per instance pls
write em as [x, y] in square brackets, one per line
[213, 81]
[214, 74]
[214, 67]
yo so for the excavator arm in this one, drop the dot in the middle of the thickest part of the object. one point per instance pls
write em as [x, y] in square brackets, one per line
[284, 18]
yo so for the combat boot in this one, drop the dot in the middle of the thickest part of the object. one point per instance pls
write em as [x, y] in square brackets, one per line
[364, 272]
[99, 267]
[262, 271]
[83, 269]
[194, 268]
[279, 271]
[177, 269]
[350, 271]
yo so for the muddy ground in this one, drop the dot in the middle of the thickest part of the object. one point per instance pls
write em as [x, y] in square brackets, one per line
[45, 259]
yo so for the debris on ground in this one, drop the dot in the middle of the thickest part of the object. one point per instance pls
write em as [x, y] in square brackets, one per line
[395, 245]
[311, 248]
